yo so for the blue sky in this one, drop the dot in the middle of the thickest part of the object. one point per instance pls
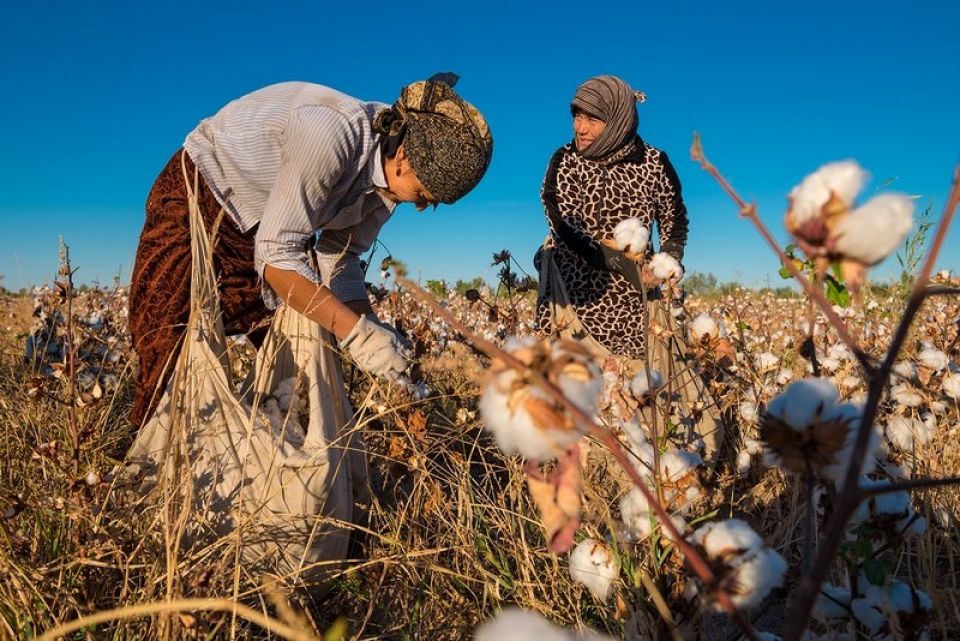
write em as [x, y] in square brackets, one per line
[99, 94]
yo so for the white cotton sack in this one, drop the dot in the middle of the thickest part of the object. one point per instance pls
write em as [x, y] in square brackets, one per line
[631, 236]
[592, 565]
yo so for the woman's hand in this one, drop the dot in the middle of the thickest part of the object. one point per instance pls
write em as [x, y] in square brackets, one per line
[649, 280]
[377, 348]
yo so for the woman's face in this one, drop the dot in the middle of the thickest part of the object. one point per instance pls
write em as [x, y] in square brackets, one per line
[403, 185]
[586, 129]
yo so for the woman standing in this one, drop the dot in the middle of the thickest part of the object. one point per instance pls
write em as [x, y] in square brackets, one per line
[598, 295]
[272, 169]
[606, 175]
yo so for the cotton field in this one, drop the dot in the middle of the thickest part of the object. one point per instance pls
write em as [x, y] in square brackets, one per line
[460, 527]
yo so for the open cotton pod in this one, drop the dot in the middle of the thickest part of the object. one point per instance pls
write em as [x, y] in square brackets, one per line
[523, 417]
[823, 220]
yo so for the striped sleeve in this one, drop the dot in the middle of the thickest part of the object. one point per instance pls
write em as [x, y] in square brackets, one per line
[318, 145]
[338, 255]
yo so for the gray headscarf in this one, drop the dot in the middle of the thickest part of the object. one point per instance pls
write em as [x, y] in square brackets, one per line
[613, 101]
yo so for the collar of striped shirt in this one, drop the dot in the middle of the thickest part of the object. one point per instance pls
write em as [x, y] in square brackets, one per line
[375, 176]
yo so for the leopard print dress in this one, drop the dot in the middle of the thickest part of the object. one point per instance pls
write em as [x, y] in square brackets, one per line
[590, 196]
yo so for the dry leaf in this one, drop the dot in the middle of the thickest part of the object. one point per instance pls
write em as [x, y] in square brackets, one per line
[417, 425]
[558, 497]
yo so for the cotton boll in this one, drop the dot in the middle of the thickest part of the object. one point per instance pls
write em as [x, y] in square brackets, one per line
[840, 352]
[665, 267]
[640, 384]
[868, 610]
[592, 564]
[905, 432]
[522, 417]
[871, 232]
[767, 362]
[639, 518]
[903, 599]
[743, 462]
[514, 624]
[753, 446]
[638, 444]
[843, 179]
[803, 401]
[905, 395]
[722, 539]
[850, 383]
[784, 376]
[932, 358]
[703, 326]
[517, 432]
[757, 576]
[830, 364]
[631, 236]
[635, 512]
[833, 603]
[905, 370]
[748, 411]
[678, 463]
[951, 386]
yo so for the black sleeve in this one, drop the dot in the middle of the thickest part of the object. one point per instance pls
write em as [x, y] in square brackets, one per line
[672, 213]
[576, 241]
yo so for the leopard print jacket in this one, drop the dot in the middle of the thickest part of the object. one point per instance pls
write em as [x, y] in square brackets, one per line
[590, 197]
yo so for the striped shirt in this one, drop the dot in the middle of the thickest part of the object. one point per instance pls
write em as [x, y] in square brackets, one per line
[296, 158]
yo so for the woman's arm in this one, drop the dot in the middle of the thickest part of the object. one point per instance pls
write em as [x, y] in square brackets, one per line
[671, 212]
[314, 301]
[555, 208]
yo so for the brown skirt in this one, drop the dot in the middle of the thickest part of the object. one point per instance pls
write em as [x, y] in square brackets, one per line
[160, 285]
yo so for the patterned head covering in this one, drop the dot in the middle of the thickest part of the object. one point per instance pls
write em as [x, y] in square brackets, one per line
[446, 138]
[612, 100]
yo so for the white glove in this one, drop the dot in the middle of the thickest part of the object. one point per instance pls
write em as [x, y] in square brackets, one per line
[377, 348]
